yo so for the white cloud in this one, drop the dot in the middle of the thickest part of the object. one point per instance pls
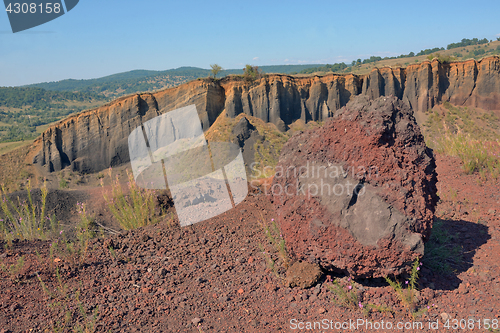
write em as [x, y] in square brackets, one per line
[498, 35]
[255, 59]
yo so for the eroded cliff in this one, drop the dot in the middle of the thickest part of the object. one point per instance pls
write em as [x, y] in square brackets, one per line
[96, 139]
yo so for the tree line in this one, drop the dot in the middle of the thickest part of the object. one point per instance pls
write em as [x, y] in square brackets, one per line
[38, 98]
[22, 109]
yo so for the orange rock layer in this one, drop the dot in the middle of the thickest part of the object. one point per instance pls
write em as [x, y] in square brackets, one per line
[96, 139]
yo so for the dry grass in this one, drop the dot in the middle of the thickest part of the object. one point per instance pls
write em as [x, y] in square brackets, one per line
[6, 147]
[469, 134]
[14, 169]
[476, 155]
[135, 209]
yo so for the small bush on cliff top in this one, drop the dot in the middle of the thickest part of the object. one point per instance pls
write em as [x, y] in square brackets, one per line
[251, 73]
[442, 58]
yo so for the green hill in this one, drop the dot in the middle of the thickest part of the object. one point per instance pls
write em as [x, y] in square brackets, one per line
[145, 80]
[23, 111]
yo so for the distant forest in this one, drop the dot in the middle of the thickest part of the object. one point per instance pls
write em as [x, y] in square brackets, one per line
[339, 67]
[23, 109]
[142, 80]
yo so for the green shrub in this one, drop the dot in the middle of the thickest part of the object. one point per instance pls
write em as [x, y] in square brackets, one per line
[251, 73]
[408, 296]
[134, 210]
[277, 242]
[441, 58]
[25, 220]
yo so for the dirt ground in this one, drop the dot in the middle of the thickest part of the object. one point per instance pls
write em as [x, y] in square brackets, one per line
[213, 276]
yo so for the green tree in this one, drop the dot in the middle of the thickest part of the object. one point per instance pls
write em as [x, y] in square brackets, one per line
[215, 69]
[252, 73]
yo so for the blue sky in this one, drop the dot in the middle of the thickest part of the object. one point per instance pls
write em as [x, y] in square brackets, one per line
[99, 38]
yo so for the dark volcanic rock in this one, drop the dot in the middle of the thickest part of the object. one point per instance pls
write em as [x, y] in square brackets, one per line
[246, 136]
[242, 131]
[358, 194]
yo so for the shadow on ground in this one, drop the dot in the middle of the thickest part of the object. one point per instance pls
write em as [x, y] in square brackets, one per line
[450, 251]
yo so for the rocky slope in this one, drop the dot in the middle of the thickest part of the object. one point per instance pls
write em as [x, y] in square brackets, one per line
[214, 277]
[96, 139]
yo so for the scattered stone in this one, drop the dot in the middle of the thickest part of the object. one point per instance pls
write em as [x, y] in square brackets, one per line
[445, 316]
[196, 320]
[303, 275]
[162, 272]
[223, 298]
[321, 310]
[14, 307]
[462, 289]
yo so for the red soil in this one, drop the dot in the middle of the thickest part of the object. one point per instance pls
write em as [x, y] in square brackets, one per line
[213, 277]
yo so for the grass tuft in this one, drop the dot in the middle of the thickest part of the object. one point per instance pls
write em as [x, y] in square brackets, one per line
[345, 296]
[25, 220]
[409, 295]
[278, 246]
[67, 309]
[348, 296]
[475, 155]
[137, 209]
[14, 269]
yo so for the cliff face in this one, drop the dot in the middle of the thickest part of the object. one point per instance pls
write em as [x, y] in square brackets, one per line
[96, 139]
[424, 85]
[283, 99]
